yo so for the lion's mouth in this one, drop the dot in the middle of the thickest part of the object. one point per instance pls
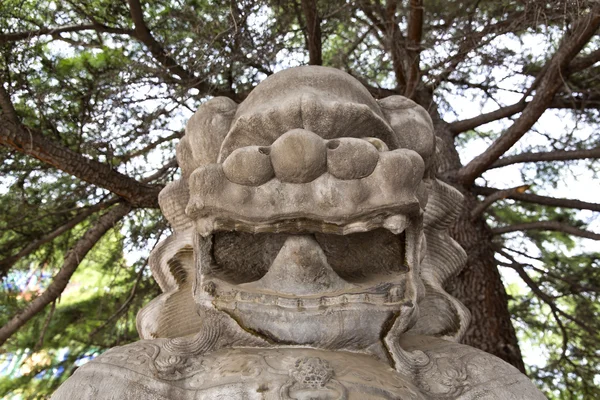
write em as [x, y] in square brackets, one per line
[321, 289]
[313, 288]
[306, 271]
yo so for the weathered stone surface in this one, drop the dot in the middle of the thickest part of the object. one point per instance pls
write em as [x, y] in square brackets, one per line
[325, 101]
[345, 205]
[412, 125]
[299, 156]
[251, 374]
[250, 166]
[204, 134]
[148, 370]
[301, 269]
[308, 258]
[350, 158]
[456, 371]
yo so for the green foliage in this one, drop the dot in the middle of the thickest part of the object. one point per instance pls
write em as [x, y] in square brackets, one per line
[561, 327]
[82, 323]
[510, 214]
[570, 370]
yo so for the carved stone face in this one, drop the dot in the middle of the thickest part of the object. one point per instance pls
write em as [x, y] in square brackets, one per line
[307, 202]
[300, 223]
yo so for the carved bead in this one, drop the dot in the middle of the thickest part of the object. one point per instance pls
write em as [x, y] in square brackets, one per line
[350, 158]
[250, 166]
[299, 156]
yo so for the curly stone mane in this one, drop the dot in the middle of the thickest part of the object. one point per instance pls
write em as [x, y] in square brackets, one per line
[440, 314]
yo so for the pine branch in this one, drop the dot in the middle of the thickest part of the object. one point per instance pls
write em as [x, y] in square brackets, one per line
[583, 62]
[7, 263]
[161, 171]
[40, 341]
[143, 34]
[547, 225]
[7, 107]
[368, 8]
[31, 142]
[492, 198]
[13, 37]
[545, 298]
[313, 28]
[558, 155]
[127, 303]
[188, 79]
[573, 283]
[151, 146]
[574, 103]
[580, 101]
[473, 39]
[482, 119]
[551, 82]
[357, 42]
[413, 49]
[376, 91]
[125, 306]
[70, 264]
[395, 41]
[542, 296]
[542, 200]
[519, 268]
[388, 27]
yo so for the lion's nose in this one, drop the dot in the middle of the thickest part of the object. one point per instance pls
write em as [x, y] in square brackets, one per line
[299, 156]
[301, 269]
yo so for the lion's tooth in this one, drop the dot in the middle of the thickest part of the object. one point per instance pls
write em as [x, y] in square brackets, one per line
[396, 224]
[358, 226]
[205, 226]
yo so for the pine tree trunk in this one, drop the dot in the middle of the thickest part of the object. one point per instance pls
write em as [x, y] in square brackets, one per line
[479, 285]
[480, 288]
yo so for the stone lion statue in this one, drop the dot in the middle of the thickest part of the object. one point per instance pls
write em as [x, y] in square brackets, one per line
[307, 259]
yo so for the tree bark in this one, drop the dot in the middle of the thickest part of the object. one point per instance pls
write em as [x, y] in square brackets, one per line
[413, 48]
[313, 32]
[479, 285]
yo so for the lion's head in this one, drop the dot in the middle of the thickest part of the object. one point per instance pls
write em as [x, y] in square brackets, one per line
[309, 214]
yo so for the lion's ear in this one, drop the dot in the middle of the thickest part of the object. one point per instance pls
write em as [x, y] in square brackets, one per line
[412, 125]
[204, 134]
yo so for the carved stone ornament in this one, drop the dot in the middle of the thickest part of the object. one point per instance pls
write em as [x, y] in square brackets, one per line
[308, 258]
